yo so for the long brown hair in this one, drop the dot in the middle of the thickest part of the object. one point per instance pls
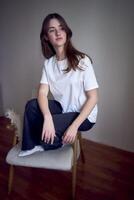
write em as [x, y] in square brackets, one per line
[72, 54]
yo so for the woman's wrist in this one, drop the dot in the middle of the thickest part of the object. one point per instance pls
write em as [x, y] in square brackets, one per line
[75, 125]
[47, 116]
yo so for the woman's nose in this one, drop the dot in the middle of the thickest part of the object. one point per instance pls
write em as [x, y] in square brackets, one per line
[57, 32]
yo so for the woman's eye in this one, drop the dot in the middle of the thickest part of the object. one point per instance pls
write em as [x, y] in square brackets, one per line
[62, 28]
[51, 30]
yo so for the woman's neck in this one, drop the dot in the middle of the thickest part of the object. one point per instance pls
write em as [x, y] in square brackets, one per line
[60, 54]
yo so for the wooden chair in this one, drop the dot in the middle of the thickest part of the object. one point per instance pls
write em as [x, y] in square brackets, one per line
[64, 158]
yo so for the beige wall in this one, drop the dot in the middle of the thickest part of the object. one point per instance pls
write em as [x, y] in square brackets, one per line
[103, 29]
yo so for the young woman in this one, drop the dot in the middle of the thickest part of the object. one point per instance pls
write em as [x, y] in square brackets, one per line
[69, 75]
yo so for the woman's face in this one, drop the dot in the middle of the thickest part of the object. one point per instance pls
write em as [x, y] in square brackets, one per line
[56, 33]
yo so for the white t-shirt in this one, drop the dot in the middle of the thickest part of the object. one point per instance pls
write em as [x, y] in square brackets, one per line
[69, 88]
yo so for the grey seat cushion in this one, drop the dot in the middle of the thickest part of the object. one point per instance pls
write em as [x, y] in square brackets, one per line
[59, 159]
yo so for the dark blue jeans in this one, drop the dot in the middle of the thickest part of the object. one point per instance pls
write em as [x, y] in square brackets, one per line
[33, 124]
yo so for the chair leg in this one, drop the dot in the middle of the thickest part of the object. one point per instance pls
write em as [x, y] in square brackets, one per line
[10, 180]
[74, 169]
[81, 148]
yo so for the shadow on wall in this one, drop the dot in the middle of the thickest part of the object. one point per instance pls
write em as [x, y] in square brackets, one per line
[1, 101]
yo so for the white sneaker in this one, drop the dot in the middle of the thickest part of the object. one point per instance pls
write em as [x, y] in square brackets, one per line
[31, 151]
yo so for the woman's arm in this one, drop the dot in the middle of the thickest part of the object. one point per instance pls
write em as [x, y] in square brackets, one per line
[48, 131]
[43, 100]
[92, 99]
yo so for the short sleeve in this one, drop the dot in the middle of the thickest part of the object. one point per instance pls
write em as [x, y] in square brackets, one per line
[90, 81]
[44, 78]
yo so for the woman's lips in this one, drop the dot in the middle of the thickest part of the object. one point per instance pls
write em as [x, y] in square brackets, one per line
[59, 38]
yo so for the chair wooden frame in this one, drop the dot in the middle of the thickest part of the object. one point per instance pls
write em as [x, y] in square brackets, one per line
[74, 166]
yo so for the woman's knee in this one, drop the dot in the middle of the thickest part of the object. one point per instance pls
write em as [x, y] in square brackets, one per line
[31, 105]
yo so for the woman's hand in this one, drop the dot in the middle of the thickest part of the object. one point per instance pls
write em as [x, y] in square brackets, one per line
[69, 135]
[48, 131]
